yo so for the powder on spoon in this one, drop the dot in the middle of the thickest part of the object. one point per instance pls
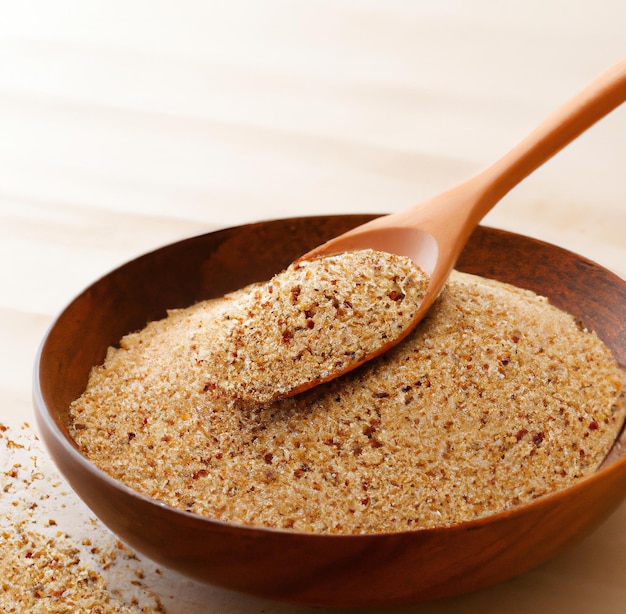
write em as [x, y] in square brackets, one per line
[311, 322]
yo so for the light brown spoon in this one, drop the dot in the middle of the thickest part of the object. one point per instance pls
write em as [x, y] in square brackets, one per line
[274, 346]
[434, 232]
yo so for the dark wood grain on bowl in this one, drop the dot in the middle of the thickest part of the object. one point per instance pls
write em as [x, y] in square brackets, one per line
[353, 570]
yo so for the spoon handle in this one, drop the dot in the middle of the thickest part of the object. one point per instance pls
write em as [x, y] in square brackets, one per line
[434, 232]
[570, 120]
[452, 216]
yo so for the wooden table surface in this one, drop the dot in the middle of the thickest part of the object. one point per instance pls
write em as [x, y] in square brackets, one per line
[125, 125]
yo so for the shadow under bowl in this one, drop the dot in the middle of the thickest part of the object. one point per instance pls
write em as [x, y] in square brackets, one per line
[332, 570]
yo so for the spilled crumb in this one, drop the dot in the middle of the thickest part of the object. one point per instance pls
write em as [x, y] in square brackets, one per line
[497, 398]
[43, 567]
[309, 322]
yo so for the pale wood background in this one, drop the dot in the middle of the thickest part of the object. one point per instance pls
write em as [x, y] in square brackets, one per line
[125, 125]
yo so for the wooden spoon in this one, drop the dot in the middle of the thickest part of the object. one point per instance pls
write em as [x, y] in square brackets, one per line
[269, 349]
[434, 232]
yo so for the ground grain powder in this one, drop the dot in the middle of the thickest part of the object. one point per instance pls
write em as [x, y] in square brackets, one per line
[497, 398]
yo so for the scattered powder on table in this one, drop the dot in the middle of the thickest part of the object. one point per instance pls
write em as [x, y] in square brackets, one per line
[496, 398]
[312, 320]
[43, 568]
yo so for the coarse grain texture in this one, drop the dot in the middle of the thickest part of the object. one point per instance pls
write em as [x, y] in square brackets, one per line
[312, 321]
[495, 399]
[43, 568]
[42, 575]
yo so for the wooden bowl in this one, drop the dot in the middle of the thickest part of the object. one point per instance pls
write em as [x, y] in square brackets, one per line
[337, 570]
